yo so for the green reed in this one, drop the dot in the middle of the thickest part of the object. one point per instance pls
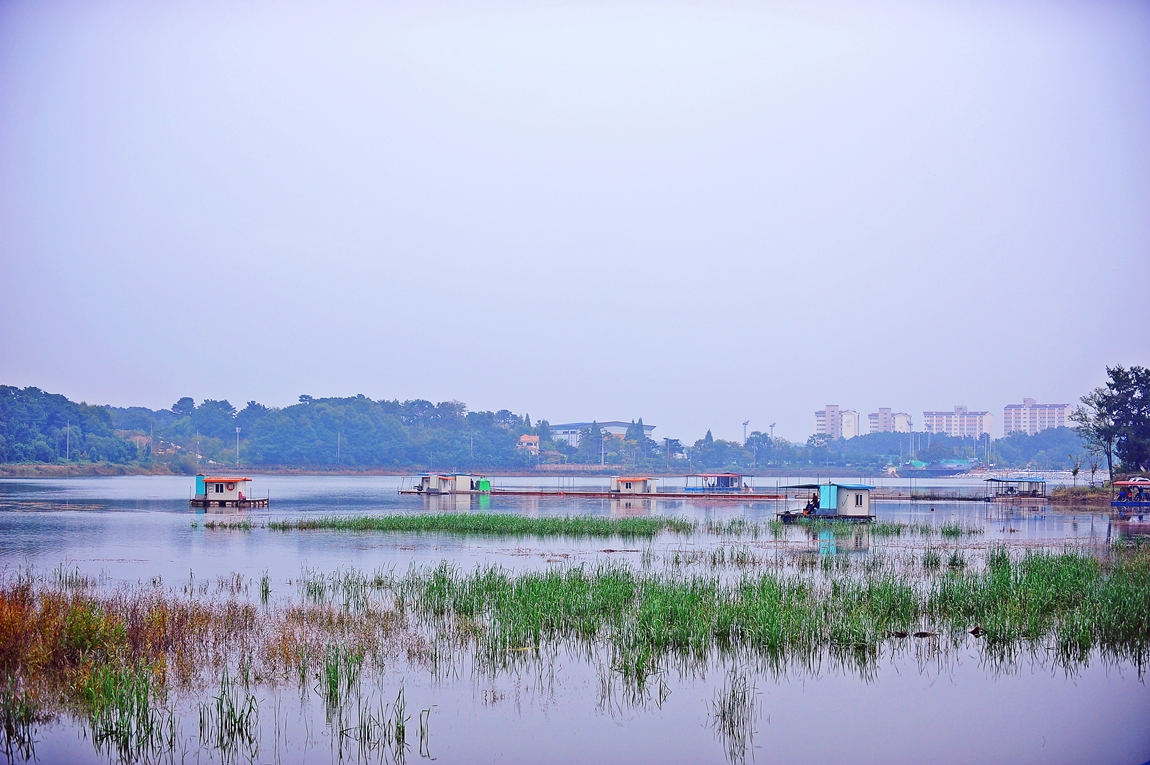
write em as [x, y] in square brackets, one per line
[492, 524]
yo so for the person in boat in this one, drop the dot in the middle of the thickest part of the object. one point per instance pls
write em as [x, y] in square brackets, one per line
[1141, 495]
[813, 504]
[1122, 495]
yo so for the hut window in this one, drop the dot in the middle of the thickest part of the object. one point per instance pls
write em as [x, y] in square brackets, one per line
[219, 488]
[858, 500]
[628, 484]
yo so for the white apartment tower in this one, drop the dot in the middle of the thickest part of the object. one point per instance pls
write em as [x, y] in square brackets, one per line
[850, 423]
[961, 422]
[1030, 418]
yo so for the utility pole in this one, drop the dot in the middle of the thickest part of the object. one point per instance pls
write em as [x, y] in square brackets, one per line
[68, 443]
[237, 446]
[745, 424]
[772, 433]
[338, 440]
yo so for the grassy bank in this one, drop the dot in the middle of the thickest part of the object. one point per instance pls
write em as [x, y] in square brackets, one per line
[1096, 496]
[492, 524]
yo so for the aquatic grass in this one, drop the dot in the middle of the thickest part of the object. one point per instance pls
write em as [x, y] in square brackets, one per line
[954, 530]
[230, 722]
[733, 712]
[19, 715]
[225, 525]
[491, 524]
[124, 713]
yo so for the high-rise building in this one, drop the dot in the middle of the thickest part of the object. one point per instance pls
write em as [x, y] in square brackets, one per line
[828, 422]
[887, 421]
[850, 423]
[961, 422]
[1030, 418]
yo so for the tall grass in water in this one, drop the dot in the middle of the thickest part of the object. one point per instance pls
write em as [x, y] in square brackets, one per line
[230, 722]
[125, 715]
[19, 714]
[492, 524]
[733, 712]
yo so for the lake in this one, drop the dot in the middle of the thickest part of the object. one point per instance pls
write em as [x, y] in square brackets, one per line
[567, 700]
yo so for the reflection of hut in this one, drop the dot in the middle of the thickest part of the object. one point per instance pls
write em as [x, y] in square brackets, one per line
[627, 506]
[1016, 490]
[715, 483]
[846, 501]
[633, 484]
[225, 491]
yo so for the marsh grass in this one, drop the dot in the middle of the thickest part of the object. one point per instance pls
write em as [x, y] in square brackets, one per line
[19, 716]
[492, 524]
[733, 712]
[229, 723]
[108, 656]
[125, 713]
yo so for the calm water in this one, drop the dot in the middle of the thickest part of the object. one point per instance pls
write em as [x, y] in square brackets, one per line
[912, 707]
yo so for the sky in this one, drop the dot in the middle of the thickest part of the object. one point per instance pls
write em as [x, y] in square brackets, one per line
[697, 213]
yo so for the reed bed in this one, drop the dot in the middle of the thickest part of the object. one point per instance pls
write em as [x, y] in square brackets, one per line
[73, 645]
[492, 524]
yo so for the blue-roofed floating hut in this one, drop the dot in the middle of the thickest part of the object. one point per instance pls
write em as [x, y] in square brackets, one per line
[715, 483]
[830, 501]
[1016, 491]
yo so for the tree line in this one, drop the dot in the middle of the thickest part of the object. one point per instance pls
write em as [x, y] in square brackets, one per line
[361, 433]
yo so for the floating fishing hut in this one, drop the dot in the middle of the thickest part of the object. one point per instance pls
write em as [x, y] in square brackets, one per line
[830, 501]
[715, 483]
[1016, 491]
[449, 483]
[631, 484]
[225, 491]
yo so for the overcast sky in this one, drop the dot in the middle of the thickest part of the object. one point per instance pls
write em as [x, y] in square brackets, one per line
[699, 213]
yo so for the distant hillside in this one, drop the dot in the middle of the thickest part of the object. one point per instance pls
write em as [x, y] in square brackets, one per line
[358, 433]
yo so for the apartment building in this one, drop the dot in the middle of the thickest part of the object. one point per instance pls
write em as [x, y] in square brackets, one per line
[829, 422]
[961, 422]
[885, 420]
[1030, 417]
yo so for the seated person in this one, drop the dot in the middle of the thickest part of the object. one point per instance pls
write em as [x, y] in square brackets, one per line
[813, 504]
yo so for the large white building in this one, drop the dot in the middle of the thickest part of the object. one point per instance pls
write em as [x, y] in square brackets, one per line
[887, 421]
[851, 423]
[961, 422]
[1030, 418]
[569, 431]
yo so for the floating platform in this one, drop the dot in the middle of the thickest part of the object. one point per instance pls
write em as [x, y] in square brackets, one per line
[792, 517]
[605, 494]
[238, 504]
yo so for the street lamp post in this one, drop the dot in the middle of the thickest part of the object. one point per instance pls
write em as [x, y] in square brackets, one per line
[745, 424]
[237, 446]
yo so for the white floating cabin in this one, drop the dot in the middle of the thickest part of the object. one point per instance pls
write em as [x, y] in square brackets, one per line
[225, 491]
[449, 483]
[631, 484]
[715, 483]
[830, 501]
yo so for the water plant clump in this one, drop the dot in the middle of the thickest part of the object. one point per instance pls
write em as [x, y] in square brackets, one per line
[492, 524]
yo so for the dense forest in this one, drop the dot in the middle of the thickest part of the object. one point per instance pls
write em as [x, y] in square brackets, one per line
[361, 433]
